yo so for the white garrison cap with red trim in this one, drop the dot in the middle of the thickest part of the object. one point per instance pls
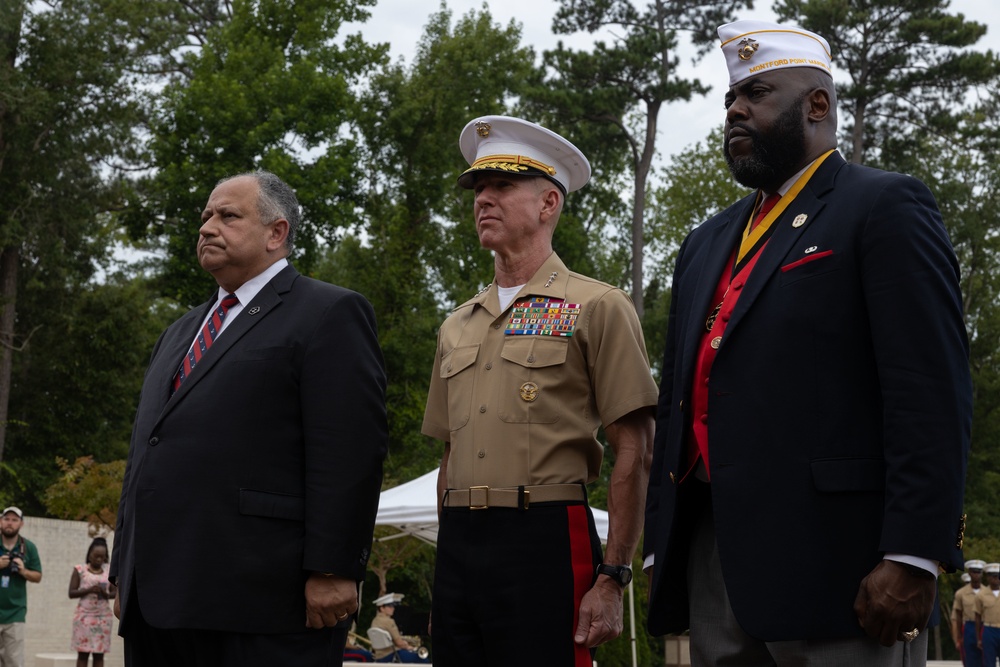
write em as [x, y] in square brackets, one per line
[518, 147]
[757, 47]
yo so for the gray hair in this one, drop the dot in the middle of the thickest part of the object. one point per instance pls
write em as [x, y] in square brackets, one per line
[275, 199]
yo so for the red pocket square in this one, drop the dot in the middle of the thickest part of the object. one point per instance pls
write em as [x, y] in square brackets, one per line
[806, 260]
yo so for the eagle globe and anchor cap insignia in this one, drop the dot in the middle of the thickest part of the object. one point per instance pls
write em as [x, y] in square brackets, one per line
[747, 47]
[483, 129]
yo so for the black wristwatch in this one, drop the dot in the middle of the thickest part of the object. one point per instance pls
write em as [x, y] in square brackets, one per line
[620, 573]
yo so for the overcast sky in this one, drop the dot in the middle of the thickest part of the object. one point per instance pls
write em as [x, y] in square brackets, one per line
[401, 23]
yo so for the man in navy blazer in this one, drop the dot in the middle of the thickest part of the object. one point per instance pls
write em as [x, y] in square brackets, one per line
[253, 475]
[815, 405]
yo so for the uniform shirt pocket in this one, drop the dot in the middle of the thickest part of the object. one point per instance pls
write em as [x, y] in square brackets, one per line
[457, 372]
[530, 378]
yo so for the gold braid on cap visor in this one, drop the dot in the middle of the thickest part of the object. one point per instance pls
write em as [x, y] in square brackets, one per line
[511, 163]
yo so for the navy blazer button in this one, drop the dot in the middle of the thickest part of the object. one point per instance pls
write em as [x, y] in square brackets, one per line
[154, 441]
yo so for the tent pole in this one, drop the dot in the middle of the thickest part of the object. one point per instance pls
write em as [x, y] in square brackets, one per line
[631, 619]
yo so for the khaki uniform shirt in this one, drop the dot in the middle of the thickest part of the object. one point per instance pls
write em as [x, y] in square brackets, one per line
[383, 621]
[988, 606]
[964, 608]
[525, 409]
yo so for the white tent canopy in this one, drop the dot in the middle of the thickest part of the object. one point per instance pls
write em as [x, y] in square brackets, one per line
[412, 508]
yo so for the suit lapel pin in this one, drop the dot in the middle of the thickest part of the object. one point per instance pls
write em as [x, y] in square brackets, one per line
[812, 248]
[254, 310]
[799, 220]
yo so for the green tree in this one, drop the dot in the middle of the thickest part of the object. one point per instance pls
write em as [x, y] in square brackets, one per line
[67, 113]
[87, 490]
[267, 84]
[76, 382]
[907, 63]
[618, 89]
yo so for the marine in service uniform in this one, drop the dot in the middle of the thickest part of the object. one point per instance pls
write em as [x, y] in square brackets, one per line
[963, 615]
[526, 372]
[988, 616]
[403, 649]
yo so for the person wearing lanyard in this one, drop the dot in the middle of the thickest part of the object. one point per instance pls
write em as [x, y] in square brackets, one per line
[815, 402]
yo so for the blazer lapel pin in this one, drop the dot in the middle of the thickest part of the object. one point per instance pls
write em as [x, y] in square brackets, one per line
[799, 220]
[254, 310]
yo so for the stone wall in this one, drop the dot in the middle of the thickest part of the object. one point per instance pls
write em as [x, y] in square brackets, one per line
[61, 545]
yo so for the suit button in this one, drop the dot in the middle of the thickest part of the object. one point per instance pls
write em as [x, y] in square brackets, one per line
[154, 441]
[482, 454]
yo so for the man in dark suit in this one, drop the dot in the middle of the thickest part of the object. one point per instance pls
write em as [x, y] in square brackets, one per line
[815, 404]
[254, 470]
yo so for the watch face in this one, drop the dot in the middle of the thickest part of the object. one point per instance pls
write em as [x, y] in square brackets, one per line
[625, 576]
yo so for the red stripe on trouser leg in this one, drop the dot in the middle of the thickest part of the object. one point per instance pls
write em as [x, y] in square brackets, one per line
[583, 572]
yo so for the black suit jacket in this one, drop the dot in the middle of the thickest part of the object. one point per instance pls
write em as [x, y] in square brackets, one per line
[264, 466]
[839, 405]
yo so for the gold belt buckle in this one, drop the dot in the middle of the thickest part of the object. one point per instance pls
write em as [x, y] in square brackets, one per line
[486, 498]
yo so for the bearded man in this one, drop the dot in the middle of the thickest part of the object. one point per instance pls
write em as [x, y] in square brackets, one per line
[815, 403]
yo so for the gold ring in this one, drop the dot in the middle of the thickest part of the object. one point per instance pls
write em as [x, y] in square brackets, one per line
[340, 618]
[911, 635]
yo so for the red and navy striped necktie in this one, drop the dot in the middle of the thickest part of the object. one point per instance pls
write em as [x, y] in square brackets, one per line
[205, 338]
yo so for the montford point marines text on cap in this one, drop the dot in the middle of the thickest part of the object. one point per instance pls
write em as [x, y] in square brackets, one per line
[518, 147]
[757, 47]
[975, 564]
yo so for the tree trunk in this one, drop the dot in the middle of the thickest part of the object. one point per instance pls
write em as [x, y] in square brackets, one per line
[639, 205]
[11, 16]
[858, 134]
[9, 263]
